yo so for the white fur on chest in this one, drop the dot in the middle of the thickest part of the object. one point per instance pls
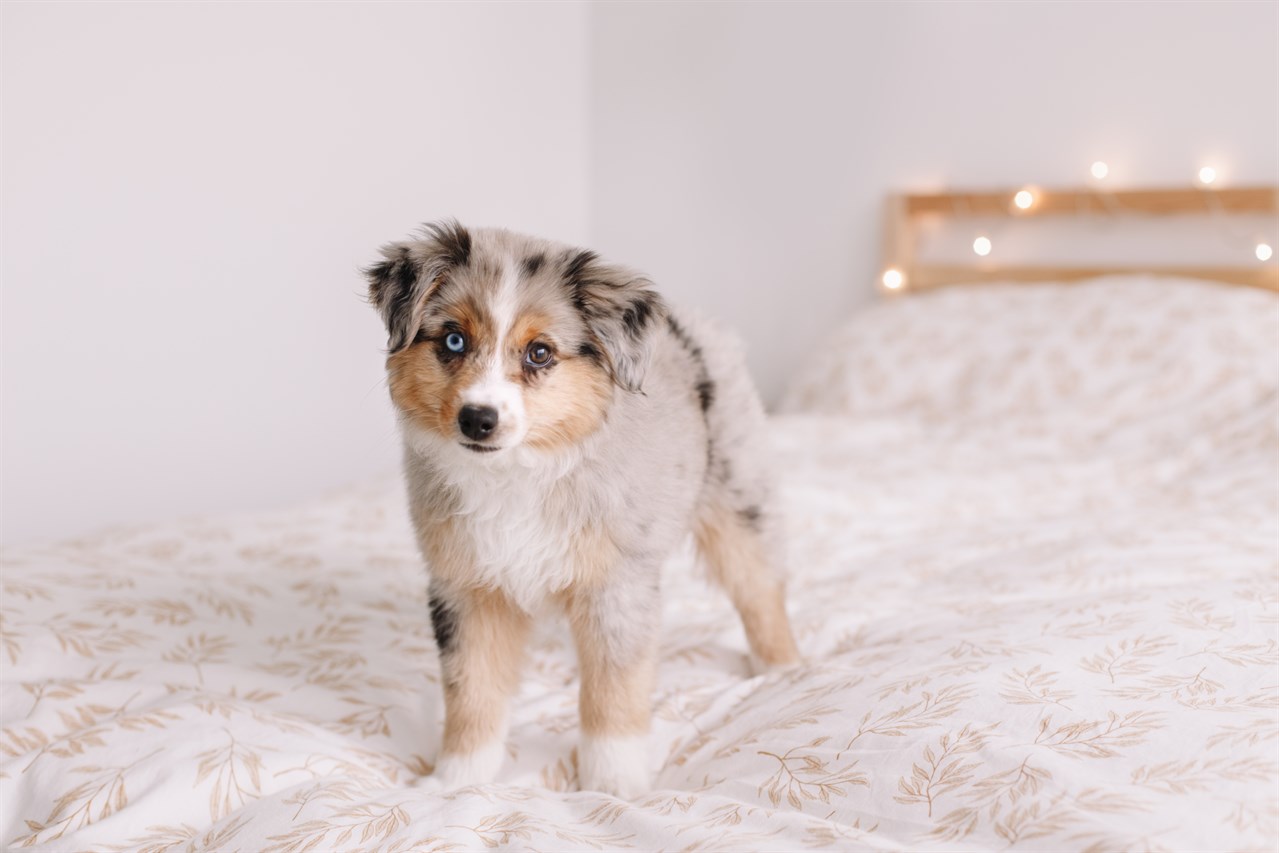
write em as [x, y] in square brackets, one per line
[519, 544]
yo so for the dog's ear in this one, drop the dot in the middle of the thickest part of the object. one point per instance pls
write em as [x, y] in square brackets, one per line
[409, 271]
[622, 312]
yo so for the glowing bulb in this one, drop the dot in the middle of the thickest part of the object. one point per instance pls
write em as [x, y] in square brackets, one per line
[893, 279]
[1100, 170]
[1207, 175]
[982, 246]
[1264, 252]
[1024, 199]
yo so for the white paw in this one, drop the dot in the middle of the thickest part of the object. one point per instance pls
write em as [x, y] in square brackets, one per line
[614, 765]
[460, 770]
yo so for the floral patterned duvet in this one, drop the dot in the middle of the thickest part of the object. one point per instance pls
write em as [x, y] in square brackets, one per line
[1039, 614]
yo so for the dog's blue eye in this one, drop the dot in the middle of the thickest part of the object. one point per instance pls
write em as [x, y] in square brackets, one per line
[455, 342]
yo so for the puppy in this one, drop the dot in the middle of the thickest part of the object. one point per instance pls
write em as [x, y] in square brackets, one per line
[563, 432]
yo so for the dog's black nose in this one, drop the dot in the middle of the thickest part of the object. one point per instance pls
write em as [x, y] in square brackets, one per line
[477, 422]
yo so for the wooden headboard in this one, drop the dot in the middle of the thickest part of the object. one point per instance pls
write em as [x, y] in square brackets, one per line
[903, 271]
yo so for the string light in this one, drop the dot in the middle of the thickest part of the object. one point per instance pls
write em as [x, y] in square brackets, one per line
[893, 279]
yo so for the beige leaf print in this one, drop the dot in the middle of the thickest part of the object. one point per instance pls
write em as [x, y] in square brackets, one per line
[929, 711]
[1034, 686]
[159, 839]
[92, 639]
[236, 770]
[807, 777]
[500, 831]
[161, 611]
[369, 718]
[10, 638]
[1098, 738]
[943, 769]
[336, 790]
[837, 835]
[1247, 734]
[199, 649]
[86, 726]
[561, 775]
[1149, 689]
[94, 799]
[69, 688]
[1243, 654]
[1200, 615]
[1036, 819]
[1127, 658]
[1181, 776]
[989, 797]
[350, 828]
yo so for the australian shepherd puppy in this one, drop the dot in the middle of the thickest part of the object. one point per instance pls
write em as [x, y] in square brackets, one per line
[564, 431]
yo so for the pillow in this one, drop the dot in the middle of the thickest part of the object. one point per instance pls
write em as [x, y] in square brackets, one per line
[1085, 358]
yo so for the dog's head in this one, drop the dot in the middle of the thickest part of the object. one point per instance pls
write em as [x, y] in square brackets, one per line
[499, 340]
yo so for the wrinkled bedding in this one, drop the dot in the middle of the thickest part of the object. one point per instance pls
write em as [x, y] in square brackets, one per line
[1024, 628]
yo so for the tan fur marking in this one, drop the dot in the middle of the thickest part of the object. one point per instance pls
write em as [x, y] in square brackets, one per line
[526, 329]
[474, 320]
[482, 669]
[568, 405]
[737, 560]
[594, 553]
[448, 552]
[615, 699]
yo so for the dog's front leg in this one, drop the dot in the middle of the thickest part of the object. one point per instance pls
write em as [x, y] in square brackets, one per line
[480, 635]
[615, 631]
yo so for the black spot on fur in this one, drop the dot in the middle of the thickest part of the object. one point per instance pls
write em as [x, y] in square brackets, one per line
[716, 466]
[589, 350]
[443, 622]
[706, 393]
[637, 315]
[686, 341]
[454, 241]
[575, 270]
[406, 273]
[533, 263]
[750, 516]
[575, 277]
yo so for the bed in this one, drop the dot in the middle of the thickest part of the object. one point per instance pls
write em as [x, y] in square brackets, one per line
[1035, 562]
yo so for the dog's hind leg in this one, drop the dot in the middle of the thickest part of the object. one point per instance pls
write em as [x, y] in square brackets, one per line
[739, 558]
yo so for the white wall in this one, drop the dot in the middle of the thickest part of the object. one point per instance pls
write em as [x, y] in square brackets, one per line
[189, 191]
[741, 150]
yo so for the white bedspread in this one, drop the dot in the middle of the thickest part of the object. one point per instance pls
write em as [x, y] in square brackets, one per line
[1015, 638]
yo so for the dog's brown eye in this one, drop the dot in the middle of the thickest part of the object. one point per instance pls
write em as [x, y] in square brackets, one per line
[537, 355]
